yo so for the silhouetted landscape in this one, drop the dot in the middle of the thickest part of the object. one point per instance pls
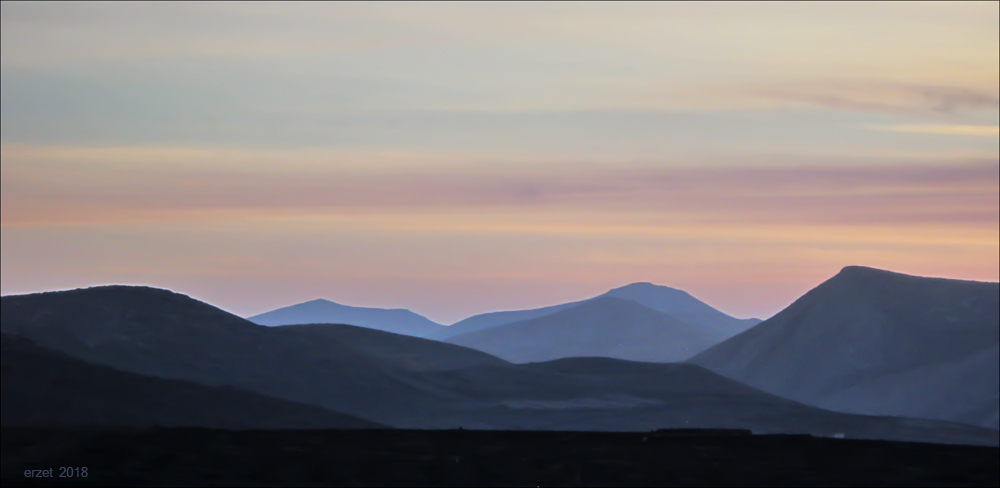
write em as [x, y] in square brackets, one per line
[500, 244]
[108, 358]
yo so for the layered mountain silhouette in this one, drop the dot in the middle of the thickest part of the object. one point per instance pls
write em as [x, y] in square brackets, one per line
[164, 334]
[486, 321]
[603, 327]
[874, 342]
[682, 306]
[409, 382]
[44, 388]
[399, 321]
[676, 303]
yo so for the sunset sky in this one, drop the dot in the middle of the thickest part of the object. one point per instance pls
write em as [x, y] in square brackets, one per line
[459, 158]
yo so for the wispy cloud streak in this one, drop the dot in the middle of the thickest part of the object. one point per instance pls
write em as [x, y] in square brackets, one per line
[959, 130]
[882, 96]
[39, 193]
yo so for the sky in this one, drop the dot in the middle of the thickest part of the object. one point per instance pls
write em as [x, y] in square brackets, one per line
[460, 158]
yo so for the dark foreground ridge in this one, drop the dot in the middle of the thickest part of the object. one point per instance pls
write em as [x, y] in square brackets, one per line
[44, 388]
[201, 457]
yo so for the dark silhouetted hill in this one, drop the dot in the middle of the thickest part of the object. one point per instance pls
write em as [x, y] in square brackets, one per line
[602, 327]
[398, 321]
[44, 388]
[164, 334]
[875, 342]
[601, 394]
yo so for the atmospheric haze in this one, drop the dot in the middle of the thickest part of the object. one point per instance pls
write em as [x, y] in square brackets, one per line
[762, 230]
[458, 159]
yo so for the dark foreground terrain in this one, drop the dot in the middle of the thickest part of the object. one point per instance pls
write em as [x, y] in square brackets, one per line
[188, 456]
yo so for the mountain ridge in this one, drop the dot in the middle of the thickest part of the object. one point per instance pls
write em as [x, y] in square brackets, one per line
[43, 388]
[320, 310]
[408, 382]
[606, 326]
[861, 325]
[679, 304]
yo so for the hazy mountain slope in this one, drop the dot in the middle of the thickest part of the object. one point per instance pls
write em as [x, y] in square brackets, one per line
[602, 327]
[398, 321]
[676, 303]
[493, 319]
[44, 388]
[872, 327]
[943, 391]
[682, 306]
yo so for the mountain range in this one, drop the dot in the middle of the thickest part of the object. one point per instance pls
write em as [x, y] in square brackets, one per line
[657, 323]
[603, 327]
[406, 382]
[321, 311]
[678, 304]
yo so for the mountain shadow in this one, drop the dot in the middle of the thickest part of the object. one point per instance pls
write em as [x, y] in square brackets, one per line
[44, 388]
[880, 343]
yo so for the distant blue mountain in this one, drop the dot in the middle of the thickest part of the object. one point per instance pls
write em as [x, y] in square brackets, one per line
[678, 304]
[606, 326]
[489, 320]
[682, 306]
[398, 321]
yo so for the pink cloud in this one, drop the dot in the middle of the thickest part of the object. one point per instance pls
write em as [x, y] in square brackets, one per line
[965, 193]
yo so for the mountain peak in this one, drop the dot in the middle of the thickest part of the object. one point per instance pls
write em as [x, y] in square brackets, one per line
[108, 289]
[865, 271]
[322, 311]
[644, 285]
[323, 302]
[605, 301]
[110, 293]
[658, 297]
[867, 333]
